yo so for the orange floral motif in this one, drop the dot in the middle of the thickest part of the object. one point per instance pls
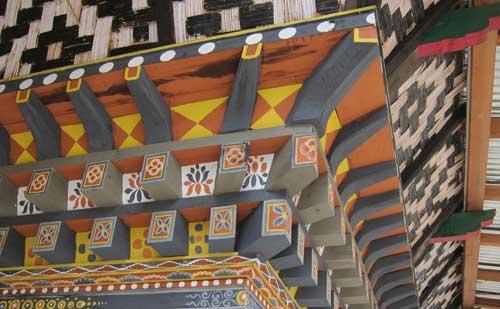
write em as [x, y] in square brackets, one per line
[198, 180]
[306, 150]
[257, 172]
[38, 182]
[234, 157]
[153, 167]
[94, 175]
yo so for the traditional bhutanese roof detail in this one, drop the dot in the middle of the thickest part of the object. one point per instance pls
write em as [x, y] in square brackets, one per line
[463, 225]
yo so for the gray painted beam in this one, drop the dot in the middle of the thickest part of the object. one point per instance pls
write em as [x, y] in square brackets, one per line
[11, 248]
[160, 173]
[381, 247]
[366, 206]
[232, 169]
[318, 296]
[304, 275]
[316, 200]
[8, 197]
[392, 280]
[48, 190]
[96, 121]
[4, 146]
[349, 277]
[102, 183]
[114, 242]
[57, 249]
[330, 82]
[154, 110]
[376, 228]
[241, 102]
[292, 256]
[170, 241]
[42, 124]
[388, 264]
[355, 134]
[340, 257]
[363, 177]
[396, 294]
[329, 231]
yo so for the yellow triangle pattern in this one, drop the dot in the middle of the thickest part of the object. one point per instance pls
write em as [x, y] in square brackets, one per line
[75, 131]
[130, 142]
[333, 123]
[76, 150]
[197, 111]
[127, 123]
[25, 157]
[343, 167]
[24, 139]
[275, 96]
[196, 132]
[269, 120]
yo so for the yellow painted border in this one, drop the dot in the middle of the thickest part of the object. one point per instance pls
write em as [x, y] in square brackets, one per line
[133, 77]
[246, 56]
[19, 99]
[209, 39]
[70, 89]
[358, 39]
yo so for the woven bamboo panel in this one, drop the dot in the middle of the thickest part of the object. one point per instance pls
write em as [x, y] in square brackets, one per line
[425, 102]
[433, 263]
[36, 35]
[447, 289]
[201, 18]
[435, 185]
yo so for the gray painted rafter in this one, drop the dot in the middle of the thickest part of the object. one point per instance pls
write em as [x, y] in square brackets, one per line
[45, 130]
[366, 206]
[154, 110]
[392, 280]
[4, 146]
[384, 246]
[398, 294]
[96, 121]
[241, 102]
[376, 228]
[388, 264]
[363, 177]
[330, 82]
[355, 134]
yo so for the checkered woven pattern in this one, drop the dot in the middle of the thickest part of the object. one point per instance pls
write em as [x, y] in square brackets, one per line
[447, 289]
[435, 185]
[433, 262]
[43, 34]
[425, 102]
[196, 18]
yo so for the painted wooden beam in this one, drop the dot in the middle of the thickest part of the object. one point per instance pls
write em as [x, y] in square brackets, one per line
[11, 247]
[48, 190]
[376, 228]
[4, 146]
[154, 109]
[366, 206]
[110, 239]
[348, 277]
[482, 61]
[495, 127]
[292, 256]
[488, 275]
[159, 176]
[363, 177]
[384, 246]
[222, 229]
[317, 200]
[355, 295]
[55, 243]
[463, 225]
[355, 134]
[329, 231]
[330, 82]
[341, 257]
[8, 197]
[318, 296]
[487, 303]
[232, 168]
[408, 302]
[388, 264]
[304, 275]
[96, 121]
[297, 160]
[102, 183]
[263, 234]
[168, 233]
[392, 280]
[396, 294]
[492, 240]
[241, 102]
[45, 130]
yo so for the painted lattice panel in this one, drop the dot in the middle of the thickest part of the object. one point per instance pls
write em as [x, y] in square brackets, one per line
[447, 289]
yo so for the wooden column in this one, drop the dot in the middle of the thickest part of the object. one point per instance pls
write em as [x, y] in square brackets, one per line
[481, 92]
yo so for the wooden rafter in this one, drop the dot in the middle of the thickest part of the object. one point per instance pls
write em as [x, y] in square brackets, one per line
[492, 240]
[492, 192]
[481, 90]
[495, 128]
[488, 275]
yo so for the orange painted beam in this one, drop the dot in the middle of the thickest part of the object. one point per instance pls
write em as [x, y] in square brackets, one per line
[488, 275]
[492, 192]
[481, 92]
[492, 240]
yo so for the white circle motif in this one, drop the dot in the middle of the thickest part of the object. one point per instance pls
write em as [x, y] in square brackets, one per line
[253, 38]
[371, 19]
[106, 67]
[76, 74]
[325, 26]
[25, 84]
[49, 79]
[136, 61]
[287, 33]
[167, 56]
[206, 48]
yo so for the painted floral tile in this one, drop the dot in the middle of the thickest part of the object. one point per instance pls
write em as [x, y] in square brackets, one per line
[76, 199]
[199, 179]
[24, 206]
[258, 168]
[133, 192]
